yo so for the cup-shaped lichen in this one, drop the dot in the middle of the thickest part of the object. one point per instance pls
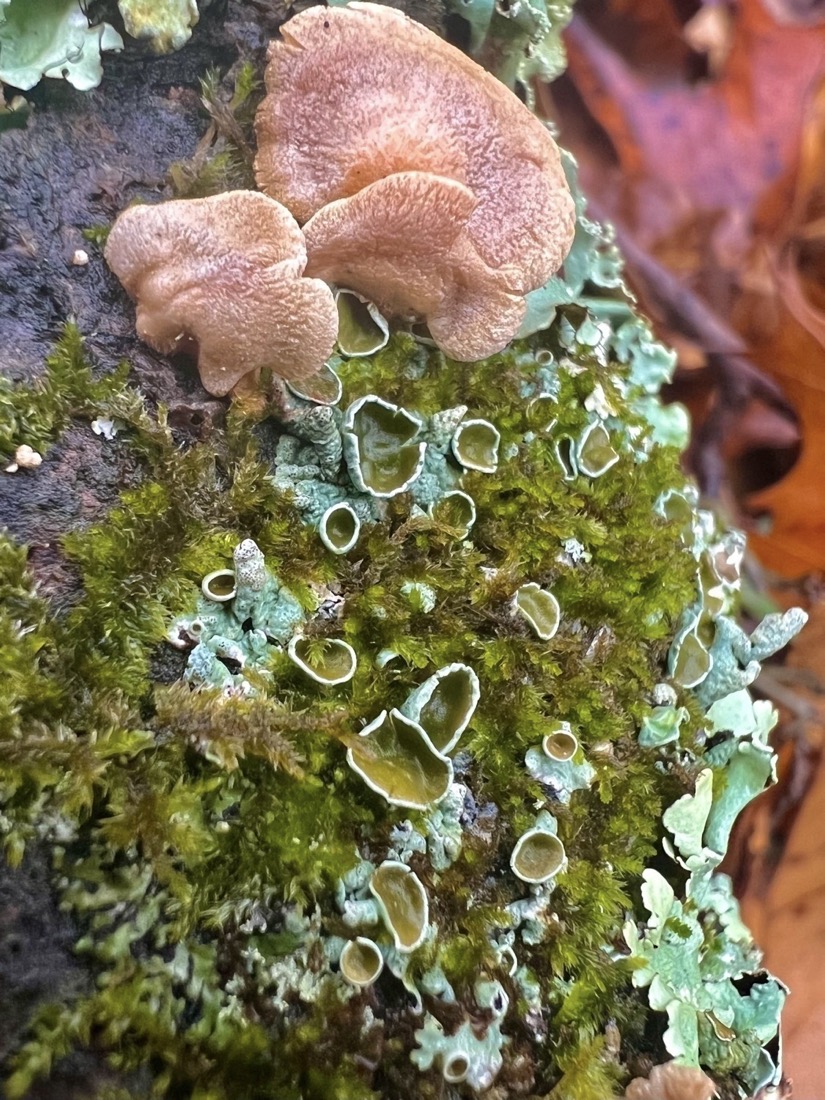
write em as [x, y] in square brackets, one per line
[537, 856]
[475, 445]
[361, 328]
[328, 660]
[403, 903]
[395, 757]
[322, 388]
[444, 704]
[219, 586]
[540, 608]
[381, 446]
[455, 509]
[339, 528]
[689, 660]
[595, 453]
[361, 962]
[560, 743]
[455, 1067]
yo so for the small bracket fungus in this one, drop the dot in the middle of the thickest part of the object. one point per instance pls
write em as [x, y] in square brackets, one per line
[538, 855]
[329, 661]
[398, 203]
[222, 276]
[396, 759]
[595, 453]
[380, 446]
[361, 962]
[672, 1081]
[444, 704]
[403, 903]
[219, 586]
[540, 608]
[361, 328]
[339, 528]
[475, 445]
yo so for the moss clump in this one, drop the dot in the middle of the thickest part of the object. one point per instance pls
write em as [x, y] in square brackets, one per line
[202, 838]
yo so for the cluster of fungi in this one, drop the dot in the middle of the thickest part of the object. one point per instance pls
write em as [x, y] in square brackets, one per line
[391, 165]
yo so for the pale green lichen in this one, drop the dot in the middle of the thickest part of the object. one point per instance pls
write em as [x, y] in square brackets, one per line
[466, 1055]
[52, 38]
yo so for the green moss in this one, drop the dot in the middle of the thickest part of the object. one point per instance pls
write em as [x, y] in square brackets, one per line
[36, 414]
[203, 837]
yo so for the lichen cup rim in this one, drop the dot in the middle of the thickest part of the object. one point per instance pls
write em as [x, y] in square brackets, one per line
[355, 456]
[367, 945]
[561, 732]
[409, 878]
[341, 506]
[338, 643]
[525, 839]
[450, 1075]
[472, 464]
[219, 597]
[422, 696]
[533, 588]
[376, 316]
[394, 715]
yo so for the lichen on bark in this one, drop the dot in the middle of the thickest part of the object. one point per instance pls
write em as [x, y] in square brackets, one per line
[213, 846]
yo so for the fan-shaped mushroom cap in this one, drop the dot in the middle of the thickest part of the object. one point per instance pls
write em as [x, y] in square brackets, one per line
[360, 96]
[224, 273]
[401, 242]
[672, 1081]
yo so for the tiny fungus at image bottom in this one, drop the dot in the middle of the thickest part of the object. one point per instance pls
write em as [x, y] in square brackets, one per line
[392, 738]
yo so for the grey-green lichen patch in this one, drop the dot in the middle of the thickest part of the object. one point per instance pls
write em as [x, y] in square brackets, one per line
[695, 955]
[466, 1055]
[232, 635]
[563, 769]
